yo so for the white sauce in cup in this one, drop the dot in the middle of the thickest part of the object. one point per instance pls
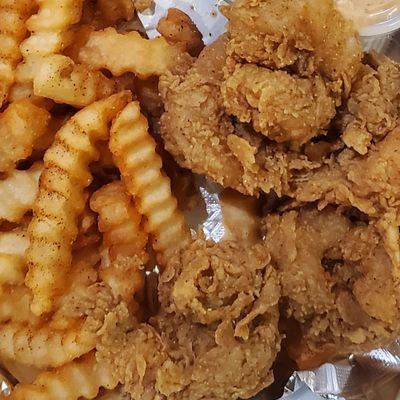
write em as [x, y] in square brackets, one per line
[368, 12]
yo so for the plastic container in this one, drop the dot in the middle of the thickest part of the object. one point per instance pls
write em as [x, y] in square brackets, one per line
[376, 20]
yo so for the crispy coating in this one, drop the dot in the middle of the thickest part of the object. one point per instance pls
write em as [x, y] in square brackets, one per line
[281, 106]
[202, 136]
[338, 280]
[179, 29]
[214, 330]
[297, 34]
[372, 110]
[370, 183]
[289, 65]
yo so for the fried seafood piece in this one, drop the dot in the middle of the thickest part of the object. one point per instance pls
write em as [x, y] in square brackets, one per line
[177, 28]
[289, 65]
[306, 36]
[371, 183]
[203, 137]
[281, 106]
[338, 281]
[372, 110]
[216, 335]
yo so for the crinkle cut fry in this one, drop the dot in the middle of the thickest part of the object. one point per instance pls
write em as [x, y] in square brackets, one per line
[60, 200]
[135, 155]
[43, 347]
[51, 33]
[81, 378]
[55, 76]
[123, 238]
[13, 245]
[120, 53]
[18, 192]
[15, 304]
[12, 31]
[61, 80]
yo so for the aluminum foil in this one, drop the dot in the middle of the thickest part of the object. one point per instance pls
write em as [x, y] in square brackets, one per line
[370, 376]
[5, 385]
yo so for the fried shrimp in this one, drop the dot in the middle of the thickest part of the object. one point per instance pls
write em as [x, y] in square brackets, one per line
[338, 280]
[187, 353]
[203, 137]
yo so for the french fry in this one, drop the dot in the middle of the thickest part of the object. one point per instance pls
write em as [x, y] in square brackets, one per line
[18, 192]
[135, 154]
[66, 174]
[51, 32]
[81, 378]
[12, 31]
[123, 238]
[63, 81]
[12, 257]
[15, 304]
[21, 124]
[43, 347]
[121, 53]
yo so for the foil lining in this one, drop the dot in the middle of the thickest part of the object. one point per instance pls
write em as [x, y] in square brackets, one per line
[371, 376]
[5, 386]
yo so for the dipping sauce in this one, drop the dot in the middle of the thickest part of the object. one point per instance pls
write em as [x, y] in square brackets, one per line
[368, 12]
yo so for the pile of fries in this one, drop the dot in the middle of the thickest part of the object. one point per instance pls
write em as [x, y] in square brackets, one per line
[71, 74]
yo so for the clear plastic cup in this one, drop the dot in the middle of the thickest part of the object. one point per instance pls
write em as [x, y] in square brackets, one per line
[376, 20]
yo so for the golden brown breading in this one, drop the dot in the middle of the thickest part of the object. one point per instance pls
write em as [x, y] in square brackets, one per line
[178, 29]
[372, 110]
[279, 105]
[215, 109]
[218, 328]
[370, 183]
[305, 35]
[290, 64]
[338, 280]
[202, 136]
